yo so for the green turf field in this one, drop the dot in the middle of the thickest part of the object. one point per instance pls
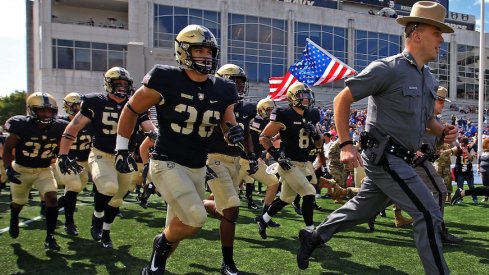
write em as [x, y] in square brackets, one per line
[386, 251]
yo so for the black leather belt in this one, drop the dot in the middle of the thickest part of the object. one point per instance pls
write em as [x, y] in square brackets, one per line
[391, 146]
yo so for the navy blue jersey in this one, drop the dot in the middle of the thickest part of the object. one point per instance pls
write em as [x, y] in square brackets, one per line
[295, 141]
[244, 112]
[188, 113]
[257, 124]
[104, 114]
[36, 146]
[80, 149]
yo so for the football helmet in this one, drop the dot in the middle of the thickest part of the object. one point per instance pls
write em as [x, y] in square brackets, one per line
[265, 107]
[192, 36]
[37, 101]
[118, 73]
[297, 93]
[236, 74]
[71, 103]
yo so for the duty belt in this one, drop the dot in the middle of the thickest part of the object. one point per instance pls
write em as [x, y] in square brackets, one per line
[391, 146]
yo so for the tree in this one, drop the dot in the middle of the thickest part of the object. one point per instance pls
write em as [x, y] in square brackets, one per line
[11, 105]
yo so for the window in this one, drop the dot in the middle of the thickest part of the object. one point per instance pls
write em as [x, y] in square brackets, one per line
[262, 40]
[370, 46]
[87, 56]
[169, 21]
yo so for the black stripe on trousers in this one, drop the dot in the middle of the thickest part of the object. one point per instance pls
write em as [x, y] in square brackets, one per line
[432, 179]
[422, 209]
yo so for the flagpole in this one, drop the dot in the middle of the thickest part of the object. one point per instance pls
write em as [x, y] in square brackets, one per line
[482, 62]
[330, 55]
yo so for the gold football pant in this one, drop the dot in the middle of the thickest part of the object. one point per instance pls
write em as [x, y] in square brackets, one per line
[41, 178]
[108, 180]
[225, 186]
[183, 189]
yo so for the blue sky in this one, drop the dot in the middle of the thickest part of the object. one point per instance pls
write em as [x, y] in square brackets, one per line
[12, 39]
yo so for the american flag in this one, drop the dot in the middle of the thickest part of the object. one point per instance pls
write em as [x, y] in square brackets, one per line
[279, 85]
[316, 67]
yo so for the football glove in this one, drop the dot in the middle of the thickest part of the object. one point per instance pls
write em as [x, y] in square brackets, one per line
[312, 130]
[235, 134]
[12, 175]
[209, 174]
[124, 162]
[67, 165]
[280, 158]
[253, 161]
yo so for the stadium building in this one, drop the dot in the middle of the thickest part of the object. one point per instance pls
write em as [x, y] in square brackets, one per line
[71, 43]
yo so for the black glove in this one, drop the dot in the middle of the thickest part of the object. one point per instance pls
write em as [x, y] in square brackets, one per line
[312, 130]
[124, 162]
[235, 134]
[253, 161]
[209, 174]
[145, 172]
[67, 165]
[12, 175]
[280, 158]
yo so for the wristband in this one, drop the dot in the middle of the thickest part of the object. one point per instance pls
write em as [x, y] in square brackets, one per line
[122, 143]
[343, 144]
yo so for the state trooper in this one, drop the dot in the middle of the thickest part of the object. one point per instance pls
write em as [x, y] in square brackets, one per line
[401, 95]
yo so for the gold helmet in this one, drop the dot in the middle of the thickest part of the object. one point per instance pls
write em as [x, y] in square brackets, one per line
[264, 107]
[38, 101]
[236, 74]
[193, 36]
[71, 103]
[297, 92]
[118, 73]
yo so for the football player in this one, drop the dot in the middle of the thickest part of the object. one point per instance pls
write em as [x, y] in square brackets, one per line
[102, 110]
[224, 162]
[34, 138]
[190, 103]
[80, 149]
[257, 124]
[297, 126]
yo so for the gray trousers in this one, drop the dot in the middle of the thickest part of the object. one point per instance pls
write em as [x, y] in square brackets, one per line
[434, 182]
[396, 181]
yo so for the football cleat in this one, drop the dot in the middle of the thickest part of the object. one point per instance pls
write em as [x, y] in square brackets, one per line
[316, 206]
[71, 229]
[229, 269]
[262, 227]
[252, 205]
[271, 223]
[297, 208]
[51, 244]
[96, 229]
[457, 197]
[158, 257]
[13, 230]
[106, 241]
